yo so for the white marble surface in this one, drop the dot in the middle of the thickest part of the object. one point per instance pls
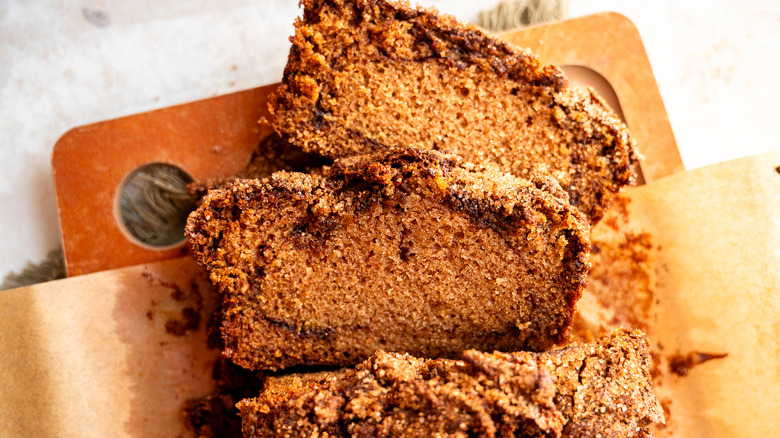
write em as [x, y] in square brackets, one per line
[69, 63]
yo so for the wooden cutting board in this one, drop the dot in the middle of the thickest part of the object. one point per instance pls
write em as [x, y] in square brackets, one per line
[215, 137]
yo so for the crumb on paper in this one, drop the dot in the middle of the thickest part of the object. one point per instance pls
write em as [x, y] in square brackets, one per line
[187, 312]
[681, 364]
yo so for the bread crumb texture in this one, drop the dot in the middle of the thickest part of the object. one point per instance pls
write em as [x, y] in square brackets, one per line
[405, 250]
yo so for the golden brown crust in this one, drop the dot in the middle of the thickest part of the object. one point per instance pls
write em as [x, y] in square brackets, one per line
[367, 75]
[406, 250]
[588, 390]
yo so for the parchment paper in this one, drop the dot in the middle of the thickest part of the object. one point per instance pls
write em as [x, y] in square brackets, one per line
[717, 290]
[91, 356]
[110, 354]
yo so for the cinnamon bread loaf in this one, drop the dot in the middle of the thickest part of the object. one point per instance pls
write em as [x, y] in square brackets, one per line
[586, 390]
[363, 76]
[406, 250]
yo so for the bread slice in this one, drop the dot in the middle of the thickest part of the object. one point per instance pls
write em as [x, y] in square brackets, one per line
[367, 75]
[587, 390]
[407, 250]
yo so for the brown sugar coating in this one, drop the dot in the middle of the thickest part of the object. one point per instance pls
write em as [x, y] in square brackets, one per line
[407, 250]
[585, 390]
[367, 75]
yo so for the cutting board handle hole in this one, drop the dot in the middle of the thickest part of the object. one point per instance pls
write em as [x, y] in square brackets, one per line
[152, 205]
